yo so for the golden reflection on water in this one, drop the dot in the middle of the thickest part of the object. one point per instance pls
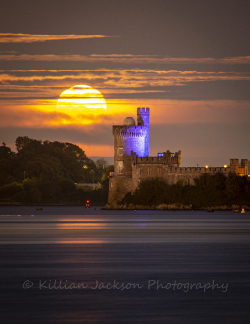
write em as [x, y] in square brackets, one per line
[81, 225]
[99, 229]
[80, 241]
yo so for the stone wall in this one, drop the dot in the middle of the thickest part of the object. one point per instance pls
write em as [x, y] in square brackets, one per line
[171, 175]
[118, 187]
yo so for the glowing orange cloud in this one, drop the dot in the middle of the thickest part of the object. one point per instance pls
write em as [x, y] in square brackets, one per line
[114, 81]
[48, 114]
[30, 38]
[43, 113]
[127, 58]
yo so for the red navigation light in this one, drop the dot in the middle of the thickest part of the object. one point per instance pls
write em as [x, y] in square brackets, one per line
[87, 204]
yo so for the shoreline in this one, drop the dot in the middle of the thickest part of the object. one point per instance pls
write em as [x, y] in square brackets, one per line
[174, 207]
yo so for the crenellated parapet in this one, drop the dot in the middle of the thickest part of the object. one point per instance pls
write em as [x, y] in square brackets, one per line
[131, 134]
[239, 168]
[117, 129]
[165, 158]
[143, 110]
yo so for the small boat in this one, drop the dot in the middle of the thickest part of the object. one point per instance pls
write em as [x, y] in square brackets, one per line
[210, 210]
[235, 211]
[39, 208]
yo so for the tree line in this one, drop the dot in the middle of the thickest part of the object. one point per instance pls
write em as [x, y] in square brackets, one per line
[47, 172]
[209, 190]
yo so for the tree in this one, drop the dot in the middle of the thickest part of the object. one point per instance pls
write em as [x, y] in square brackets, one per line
[237, 189]
[151, 192]
[5, 152]
[103, 170]
[7, 162]
[101, 164]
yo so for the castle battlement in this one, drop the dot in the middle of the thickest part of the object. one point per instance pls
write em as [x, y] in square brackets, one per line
[129, 131]
[130, 134]
[199, 169]
[143, 110]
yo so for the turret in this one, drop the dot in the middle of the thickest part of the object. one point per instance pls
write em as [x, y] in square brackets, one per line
[234, 165]
[143, 119]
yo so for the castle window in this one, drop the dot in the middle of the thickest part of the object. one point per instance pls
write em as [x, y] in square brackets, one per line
[120, 167]
[120, 151]
[159, 171]
[149, 171]
[140, 170]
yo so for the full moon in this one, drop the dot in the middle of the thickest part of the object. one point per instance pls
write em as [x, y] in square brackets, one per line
[79, 98]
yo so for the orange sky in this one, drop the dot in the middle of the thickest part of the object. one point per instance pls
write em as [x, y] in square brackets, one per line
[192, 71]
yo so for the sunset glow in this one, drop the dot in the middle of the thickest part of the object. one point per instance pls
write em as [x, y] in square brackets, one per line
[74, 78]
[125, 161]
[80, 97]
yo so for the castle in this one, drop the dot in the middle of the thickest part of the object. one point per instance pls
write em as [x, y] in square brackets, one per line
[133, 164]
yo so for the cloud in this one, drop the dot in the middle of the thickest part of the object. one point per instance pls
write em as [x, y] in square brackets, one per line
[43, 113]
[125, 78]
[197, 112]
[125, 58]
[30, 38]
[29, 113]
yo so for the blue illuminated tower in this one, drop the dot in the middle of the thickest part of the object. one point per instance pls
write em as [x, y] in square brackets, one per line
[128, 138]
[143, 119]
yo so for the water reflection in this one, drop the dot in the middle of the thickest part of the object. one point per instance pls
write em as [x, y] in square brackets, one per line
[185, 247]
[122, 227]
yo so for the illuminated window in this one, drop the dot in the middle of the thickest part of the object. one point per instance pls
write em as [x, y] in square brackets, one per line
[120, 151]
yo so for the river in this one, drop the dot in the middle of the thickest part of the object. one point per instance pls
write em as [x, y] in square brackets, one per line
[77, 265]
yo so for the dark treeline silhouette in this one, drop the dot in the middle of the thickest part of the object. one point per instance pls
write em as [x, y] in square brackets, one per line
[209, 190]
[47, 172]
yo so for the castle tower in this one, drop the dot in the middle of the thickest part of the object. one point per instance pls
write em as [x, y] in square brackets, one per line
[143, 119]
[234, 165]
[128, 138]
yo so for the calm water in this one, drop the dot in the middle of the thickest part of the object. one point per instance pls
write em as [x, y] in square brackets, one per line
[72, 265]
